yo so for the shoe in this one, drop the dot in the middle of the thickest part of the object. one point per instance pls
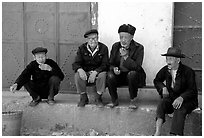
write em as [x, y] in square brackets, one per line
[35, 102]
[132, 105]
[51, 101]
[113, 104]
[99, 102]
[83, 100]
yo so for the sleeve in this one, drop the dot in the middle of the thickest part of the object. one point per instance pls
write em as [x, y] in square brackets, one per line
[159, 81]
[105, 62]
[78, 60]
[136, 63]
[56, 70]
[25, 76]
[191, 90]
[112, 56]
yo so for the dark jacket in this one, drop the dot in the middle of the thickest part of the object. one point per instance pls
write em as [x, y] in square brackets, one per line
[84, 59]
[185, 84]
[38, 76]
[133, 62]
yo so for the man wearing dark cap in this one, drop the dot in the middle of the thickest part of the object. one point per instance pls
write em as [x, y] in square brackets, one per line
[180, 90]
[126, 66]
[41, 78]
[90, 66]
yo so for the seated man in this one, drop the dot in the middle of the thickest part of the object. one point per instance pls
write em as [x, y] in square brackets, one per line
[181, 86]
[90, 66]
[41, 78]
[126, 65]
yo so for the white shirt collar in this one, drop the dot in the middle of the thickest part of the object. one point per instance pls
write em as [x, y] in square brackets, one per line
[92, 53]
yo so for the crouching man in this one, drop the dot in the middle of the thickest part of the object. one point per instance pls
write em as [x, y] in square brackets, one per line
[41, 78]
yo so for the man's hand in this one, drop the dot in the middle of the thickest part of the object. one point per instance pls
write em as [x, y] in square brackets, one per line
[177, 102]
[123, 52]
[82, 74]
[13, 87]
[92, 76]
[116, 70]
[45, 67]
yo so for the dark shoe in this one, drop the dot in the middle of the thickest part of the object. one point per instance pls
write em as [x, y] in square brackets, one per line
[35, 102]
[51, 101]
[99, 102]
[83, 100]
[113, 104]
[132, 104]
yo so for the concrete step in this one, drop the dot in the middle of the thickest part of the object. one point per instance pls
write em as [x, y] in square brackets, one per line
[65, 116]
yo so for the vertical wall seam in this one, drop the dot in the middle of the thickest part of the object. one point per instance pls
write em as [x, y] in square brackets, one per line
[25, 36]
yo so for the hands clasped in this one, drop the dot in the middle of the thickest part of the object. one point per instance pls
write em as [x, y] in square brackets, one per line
[83, 75]
[45, 67]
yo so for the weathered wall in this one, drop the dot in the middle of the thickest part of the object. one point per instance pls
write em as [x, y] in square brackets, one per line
[154, 29]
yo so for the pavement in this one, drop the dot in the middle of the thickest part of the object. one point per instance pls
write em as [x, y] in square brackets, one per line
[65, 118]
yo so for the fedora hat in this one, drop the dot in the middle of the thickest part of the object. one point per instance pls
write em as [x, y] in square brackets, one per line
[174, 52]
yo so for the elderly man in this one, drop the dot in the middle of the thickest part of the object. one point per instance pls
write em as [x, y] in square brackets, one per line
[90, 66]
[126, 66]
[181, 91]
[41, 78]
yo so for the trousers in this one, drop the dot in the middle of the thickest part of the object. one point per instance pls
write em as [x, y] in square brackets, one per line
[100, 82]
[178, 120]
[45, 90]
[124, 78]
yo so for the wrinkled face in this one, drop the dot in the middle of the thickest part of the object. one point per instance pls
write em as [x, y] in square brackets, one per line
[172, 62]
[125, 39]
[92, 40]
[40, 57]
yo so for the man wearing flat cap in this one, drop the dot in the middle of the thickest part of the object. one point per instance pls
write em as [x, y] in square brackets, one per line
[41, 78]
[126, 66]
[90, 66]
[179, 92]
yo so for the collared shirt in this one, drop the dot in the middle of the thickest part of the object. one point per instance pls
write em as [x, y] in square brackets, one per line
[173, 75]
[92, 52]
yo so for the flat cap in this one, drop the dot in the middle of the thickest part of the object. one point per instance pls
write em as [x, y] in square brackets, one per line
[92, 31]
[39, 50]
[127, 28]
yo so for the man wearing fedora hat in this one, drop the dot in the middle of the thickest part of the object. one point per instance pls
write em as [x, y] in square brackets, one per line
[126, 66]
[182, 92]
[90, 66]
[41, 78]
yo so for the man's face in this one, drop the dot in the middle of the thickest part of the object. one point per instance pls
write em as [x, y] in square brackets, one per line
[125, 39]
[92, 40]
[40, 57]
[172, 62]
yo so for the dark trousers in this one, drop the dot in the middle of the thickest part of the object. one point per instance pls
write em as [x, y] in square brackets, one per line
[44, 90]
[178, 120]
[125, 78]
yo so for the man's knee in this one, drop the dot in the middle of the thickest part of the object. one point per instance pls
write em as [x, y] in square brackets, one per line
[180, 111]
[110, 76]
[102, 75]
[54, 80]
[132, 75]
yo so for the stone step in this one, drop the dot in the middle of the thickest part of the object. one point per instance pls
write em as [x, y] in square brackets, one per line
[65, 116]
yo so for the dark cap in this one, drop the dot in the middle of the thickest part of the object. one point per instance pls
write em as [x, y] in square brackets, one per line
[127, 28]
[39, 50]
[174, 52]
[92, 31]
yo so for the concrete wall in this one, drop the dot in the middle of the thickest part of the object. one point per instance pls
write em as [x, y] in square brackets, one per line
[154, 29]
